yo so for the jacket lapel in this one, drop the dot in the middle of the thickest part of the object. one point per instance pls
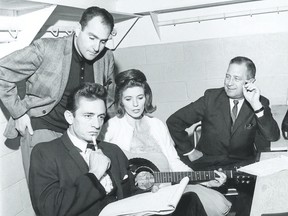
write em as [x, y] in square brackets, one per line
[74, 153]
[244, 114]
[66, 63]
[225, 108]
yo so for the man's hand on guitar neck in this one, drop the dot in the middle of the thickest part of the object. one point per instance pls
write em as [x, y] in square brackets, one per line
[217, 182]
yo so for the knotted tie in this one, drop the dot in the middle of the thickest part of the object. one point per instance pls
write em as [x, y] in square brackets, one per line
[91, 146]
[86, 154]
[234, 110]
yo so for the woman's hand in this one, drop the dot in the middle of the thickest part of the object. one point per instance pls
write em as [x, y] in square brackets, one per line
[155, 188]
[158, 186]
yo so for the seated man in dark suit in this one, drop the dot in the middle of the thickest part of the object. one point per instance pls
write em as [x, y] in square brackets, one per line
[284, 126]
[234, 119]
[75, 175]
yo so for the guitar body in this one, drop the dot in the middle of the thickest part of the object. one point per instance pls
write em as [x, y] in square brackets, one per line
[143, 171]
[159, 164]
[147, 174]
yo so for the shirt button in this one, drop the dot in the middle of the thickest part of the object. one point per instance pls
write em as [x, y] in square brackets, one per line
[44, 111]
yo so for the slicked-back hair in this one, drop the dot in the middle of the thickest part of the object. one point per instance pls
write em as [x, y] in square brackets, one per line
[90, 91]
[128, 79]
[251, 68]
[92, 12]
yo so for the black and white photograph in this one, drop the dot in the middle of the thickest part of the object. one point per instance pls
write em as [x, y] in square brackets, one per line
[143, 107]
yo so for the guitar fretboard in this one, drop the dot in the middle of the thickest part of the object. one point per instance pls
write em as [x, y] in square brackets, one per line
[195, 176]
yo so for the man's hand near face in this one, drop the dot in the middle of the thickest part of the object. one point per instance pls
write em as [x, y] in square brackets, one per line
[98, 163]
[252, 94]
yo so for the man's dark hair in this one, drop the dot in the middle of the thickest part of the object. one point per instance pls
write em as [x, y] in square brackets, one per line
[92, 12]
[128, 79]
[90, 91]
[251, 68]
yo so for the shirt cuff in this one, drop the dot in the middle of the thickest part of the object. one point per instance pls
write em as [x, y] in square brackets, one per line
[186, 154]
[260, 114]
[106, 182]
[96, 183]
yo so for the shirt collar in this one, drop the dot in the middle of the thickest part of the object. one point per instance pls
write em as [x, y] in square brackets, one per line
[75, 53]
[80, 144]
[241, 101]
[77, 57]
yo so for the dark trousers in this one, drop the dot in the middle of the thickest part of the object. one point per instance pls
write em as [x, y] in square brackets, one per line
[188, 205]
[243, 201]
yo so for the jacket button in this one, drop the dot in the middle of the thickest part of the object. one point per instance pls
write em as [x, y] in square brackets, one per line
[44, 111]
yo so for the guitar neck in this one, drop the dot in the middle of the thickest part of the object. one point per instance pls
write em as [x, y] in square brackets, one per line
[194, 176]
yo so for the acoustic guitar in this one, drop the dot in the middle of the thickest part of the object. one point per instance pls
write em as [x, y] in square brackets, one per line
[147, 174]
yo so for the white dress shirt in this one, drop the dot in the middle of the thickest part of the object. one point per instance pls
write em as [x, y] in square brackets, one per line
[85, 152]
[241, 101]
[239, 105]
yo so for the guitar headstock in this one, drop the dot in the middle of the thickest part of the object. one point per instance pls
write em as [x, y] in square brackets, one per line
[243, 178]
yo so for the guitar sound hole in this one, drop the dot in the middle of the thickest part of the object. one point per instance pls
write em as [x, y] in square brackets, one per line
[144, 180]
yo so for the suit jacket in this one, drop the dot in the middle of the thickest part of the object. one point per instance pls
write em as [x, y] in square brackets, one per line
[59, 182]
[45, 65]
[213, 110]
[284, 125]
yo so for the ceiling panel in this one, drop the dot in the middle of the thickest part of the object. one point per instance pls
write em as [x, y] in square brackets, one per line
[121, 9]
[19, 7]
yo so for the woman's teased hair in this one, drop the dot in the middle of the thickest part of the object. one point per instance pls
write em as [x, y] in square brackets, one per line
[128, 79]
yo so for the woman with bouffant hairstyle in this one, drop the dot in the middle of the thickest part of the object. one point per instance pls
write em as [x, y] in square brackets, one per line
[140, 135]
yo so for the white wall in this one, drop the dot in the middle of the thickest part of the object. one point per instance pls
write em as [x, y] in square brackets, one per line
[179, 73]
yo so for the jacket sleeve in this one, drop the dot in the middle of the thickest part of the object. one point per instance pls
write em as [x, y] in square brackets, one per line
[267, 125]
[16, 67]
[110, 86]
[167, 145]
[49, 198]
[284, 126]
[181, 120]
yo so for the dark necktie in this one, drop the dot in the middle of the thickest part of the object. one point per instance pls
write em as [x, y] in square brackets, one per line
[91, 146]
[234, 110]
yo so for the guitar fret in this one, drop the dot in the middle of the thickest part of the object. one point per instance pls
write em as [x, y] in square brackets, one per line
[228, 173]
[189, 174]
[208, 175]
[193, 177]
[201, 174]
[164, 177]
[197, 176]
[212, 174]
